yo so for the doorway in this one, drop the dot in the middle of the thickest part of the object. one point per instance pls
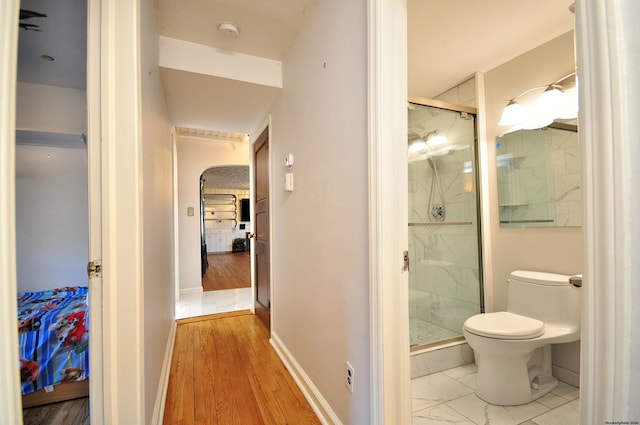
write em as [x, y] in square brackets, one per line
[225, 228]
[225, 258]
[445, 284]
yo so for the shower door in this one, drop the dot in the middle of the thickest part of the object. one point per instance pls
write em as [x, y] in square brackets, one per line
[445, 278]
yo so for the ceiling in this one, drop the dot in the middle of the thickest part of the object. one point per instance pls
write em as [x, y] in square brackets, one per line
[227, 177]
[62, 35]
[448, 42]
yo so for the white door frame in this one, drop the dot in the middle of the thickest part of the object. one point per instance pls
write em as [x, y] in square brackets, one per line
[389, 318]
[10, 402]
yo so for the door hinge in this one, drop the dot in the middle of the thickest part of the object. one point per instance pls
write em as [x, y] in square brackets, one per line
[94, 269]
[406, 260]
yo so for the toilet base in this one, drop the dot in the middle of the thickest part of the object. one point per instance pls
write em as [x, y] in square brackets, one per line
[514, 377]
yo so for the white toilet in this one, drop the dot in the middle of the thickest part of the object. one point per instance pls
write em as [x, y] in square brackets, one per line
[512, 347]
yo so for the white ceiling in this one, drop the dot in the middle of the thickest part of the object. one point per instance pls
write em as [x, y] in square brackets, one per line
[448, 42]
[61, 35]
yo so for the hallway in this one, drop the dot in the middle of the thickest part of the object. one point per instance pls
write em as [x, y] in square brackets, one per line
[224, 371]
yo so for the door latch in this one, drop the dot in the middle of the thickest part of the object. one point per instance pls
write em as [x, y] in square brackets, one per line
[94, 269]
[405, 257]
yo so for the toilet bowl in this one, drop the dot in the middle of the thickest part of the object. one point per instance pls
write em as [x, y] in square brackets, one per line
[512, 347]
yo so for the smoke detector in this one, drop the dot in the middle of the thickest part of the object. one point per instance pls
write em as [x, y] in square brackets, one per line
[228, 29]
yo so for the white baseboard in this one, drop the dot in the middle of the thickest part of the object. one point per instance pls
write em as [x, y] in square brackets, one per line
[191, 290]
[161, 395]
[319, 405]
[565, 375]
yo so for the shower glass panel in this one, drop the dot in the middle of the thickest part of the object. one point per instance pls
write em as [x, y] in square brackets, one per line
[445, 279]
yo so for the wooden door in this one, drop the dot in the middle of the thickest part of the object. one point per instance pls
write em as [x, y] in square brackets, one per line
[261, 228]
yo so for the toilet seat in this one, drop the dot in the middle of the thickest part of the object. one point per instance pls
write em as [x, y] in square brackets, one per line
[504, 325]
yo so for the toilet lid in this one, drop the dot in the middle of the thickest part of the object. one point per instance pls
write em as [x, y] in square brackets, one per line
[504, 325]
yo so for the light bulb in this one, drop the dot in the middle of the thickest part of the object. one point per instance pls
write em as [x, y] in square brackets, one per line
[512, 114]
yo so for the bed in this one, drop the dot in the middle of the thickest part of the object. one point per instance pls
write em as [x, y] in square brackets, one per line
[53, 329]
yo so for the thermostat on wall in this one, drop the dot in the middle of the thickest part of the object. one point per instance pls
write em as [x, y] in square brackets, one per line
[288, 161]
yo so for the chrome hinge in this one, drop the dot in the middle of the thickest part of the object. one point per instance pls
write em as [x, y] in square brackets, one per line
[94, 269]
[405, 257]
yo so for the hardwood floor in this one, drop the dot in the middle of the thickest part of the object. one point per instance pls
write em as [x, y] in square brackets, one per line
[73, 412]
[227, 271]
[224, 371]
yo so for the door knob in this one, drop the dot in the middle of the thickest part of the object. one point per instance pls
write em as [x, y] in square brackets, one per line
[252, 236]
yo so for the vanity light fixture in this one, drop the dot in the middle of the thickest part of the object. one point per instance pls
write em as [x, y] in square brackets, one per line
[558, 100]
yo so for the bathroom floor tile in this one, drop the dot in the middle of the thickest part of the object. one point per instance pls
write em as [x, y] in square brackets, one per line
[431, 390]
[482, 413]
[466, 375]
[566, 391]
[440, 414]
[568, 414]
[552, 400]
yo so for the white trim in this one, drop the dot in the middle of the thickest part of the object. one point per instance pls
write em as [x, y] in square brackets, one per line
[565, 375]
[161, 395]
[176, 219]
[94, 145]
[389, 317]
[197, 290]
[10, 402]
[123, 302]
[320, 406]
[484, 191]
[607, 50]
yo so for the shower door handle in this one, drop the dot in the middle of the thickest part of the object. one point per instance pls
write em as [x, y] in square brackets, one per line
[406, 260]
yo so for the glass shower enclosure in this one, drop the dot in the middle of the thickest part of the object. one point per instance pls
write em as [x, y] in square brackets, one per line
[445, 279]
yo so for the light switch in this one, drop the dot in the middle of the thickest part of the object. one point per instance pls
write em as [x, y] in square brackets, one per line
[190, 211]
[288, 182]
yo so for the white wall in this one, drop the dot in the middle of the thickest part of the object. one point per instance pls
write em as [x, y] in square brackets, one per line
[194, 157]
[157, 201]
[320, 269]
[557, 250]
[51, 108]
[52, 236]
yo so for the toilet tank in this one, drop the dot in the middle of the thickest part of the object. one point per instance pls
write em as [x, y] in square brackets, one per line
[548, 297]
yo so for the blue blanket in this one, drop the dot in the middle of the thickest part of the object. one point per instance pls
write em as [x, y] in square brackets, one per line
[53, 337]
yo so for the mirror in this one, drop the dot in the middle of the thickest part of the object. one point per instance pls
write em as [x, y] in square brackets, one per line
[539, 180]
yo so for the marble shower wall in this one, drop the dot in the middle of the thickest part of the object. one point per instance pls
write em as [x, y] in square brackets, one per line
[444, 278]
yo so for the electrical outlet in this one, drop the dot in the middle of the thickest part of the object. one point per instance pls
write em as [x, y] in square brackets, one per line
[349, 377]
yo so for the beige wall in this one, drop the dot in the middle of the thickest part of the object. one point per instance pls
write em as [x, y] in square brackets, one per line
[557, 250]
[157, 208]
[194, 157]
[320, 270]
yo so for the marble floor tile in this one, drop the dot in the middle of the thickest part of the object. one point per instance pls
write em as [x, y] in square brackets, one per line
[482, 413]
[441, 398]
[568, 414]
[438, 388]
[440, 414]
[466, 375]
[212, 302]
[566, 391]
